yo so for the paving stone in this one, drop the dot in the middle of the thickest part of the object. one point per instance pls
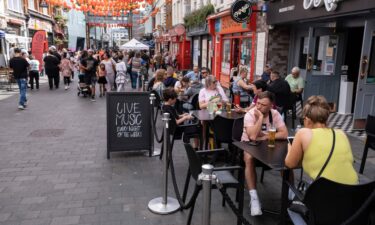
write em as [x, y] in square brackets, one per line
[70, 204]
[4, 216]
[66, 220]
[82, 211]
[33, 200]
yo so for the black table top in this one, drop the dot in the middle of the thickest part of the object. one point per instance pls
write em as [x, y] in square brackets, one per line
[204, 115]
[272, 157]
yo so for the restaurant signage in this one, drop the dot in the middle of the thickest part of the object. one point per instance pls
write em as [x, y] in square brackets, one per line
[43, 4]
[241, 11]
[330, 5]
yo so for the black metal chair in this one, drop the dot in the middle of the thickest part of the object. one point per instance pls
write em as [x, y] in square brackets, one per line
[224, 175]
[237, 131]
[370, 141]
[194, 103]
[328, 203]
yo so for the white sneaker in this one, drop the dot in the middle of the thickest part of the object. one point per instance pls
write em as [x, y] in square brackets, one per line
[255, 207]
[66, 87]
[21, 107]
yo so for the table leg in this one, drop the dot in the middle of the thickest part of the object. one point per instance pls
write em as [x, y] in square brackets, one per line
[207, 133]
[284, 197]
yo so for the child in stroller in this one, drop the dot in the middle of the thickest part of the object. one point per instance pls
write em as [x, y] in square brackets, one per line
[82, 87]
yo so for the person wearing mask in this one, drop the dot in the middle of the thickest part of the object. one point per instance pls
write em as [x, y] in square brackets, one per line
[51, 66]
[34, 72]
[257, 122]
[211, 93]
[266, 75]
[281, 89]
[20, 66]
[313, 144]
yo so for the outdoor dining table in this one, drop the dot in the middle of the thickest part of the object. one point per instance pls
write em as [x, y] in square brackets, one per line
[206, 117]
[274, 158]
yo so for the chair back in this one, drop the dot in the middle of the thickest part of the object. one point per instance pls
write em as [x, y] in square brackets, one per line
[195, 162]
[333, 203]
[370, 124]
[195, 102]
[222, 128]
[237, 129]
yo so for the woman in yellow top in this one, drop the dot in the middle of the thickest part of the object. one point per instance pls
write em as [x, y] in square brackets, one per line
[312, 145]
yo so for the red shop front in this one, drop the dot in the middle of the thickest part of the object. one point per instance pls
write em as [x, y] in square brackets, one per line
[180, 47]
[233, 44]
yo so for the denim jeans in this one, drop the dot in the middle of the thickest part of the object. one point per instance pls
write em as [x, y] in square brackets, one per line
[22, 85]
[134, 77]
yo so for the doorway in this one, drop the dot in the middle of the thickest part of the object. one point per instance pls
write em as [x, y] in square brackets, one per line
[81, 43]
[353, 57]
[235, 52]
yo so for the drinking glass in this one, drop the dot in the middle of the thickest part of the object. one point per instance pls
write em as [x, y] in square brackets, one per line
[271, 137]
[210, 108]
[229, 107]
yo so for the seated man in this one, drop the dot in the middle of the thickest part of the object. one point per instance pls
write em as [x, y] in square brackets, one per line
[194, 75]
[280, 88]
[256, 123]
[296, 83]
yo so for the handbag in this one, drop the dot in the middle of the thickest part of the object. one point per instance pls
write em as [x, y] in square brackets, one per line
[298, 206]
[129, 66]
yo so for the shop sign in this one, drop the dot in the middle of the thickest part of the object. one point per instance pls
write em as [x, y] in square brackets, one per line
[36, 24]
[330, 5]
[230, 26]
[241, 11]
[43, 4]
[179, 29]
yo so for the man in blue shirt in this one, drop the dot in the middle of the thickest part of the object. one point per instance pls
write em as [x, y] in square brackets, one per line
[194, 75]
[267, 73]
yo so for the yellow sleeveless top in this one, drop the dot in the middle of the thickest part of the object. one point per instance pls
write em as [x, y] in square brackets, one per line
[340, 167]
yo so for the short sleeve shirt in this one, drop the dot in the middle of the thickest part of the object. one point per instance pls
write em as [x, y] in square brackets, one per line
[295, 83]
[205, 95]
[250, 120]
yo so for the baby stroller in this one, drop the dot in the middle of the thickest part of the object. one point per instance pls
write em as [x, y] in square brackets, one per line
[83, 88]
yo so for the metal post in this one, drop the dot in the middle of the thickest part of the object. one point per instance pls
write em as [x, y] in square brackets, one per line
[207, 179]
[145, 84]
[164, 205]
[152, 102]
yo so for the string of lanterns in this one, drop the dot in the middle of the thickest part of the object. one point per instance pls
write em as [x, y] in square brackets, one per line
[103, 8]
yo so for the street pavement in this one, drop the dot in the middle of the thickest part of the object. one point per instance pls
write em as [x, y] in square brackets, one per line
[54, 170]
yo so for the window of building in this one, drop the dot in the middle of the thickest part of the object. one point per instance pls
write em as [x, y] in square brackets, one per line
[245, 57]
[324, 55]
[371, 67]
[15, 5]
[303, 50]
[31, 4]
[225, 64]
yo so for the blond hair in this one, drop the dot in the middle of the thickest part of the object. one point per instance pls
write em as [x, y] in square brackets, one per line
[160, 75]
[316, 109]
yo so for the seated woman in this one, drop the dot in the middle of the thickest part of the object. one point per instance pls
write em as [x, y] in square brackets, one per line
[258, 87]
[211, 93]
[312, 146]
[158, 84]
[240, 86]
[170, 97]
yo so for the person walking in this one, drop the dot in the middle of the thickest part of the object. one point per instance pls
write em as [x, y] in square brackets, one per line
[110, 66]
[136, 63]
[51, 65]
[66, 70]
[120, 74]
[90, 65]
[19, 66]
[34, 72]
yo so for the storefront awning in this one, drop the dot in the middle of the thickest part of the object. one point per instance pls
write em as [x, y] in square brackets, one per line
[11, 38]
[218, 15]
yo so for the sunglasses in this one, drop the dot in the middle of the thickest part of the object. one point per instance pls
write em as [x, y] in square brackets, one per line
[204, 72]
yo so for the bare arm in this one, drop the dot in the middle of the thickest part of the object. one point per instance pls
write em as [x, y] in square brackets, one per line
[243, 85]
[253, 131]
[295, 151]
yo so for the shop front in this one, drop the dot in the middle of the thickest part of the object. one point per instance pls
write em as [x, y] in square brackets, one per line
[180, 47]
[37, 24]
[333, 44]
[233, 44]
[200, 42]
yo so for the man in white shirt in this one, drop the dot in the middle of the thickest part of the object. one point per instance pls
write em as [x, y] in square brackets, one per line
[34, 72]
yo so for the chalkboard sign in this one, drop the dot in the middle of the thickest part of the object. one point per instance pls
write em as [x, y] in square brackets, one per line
[128, 122]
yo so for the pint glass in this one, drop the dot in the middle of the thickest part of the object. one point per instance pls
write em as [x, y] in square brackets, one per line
[271, 137]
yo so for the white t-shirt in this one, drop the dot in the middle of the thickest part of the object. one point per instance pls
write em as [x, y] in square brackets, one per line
[121, 66]
[34, 65]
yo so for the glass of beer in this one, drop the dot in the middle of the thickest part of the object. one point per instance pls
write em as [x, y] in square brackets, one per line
[271, 137]
[229, 107]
